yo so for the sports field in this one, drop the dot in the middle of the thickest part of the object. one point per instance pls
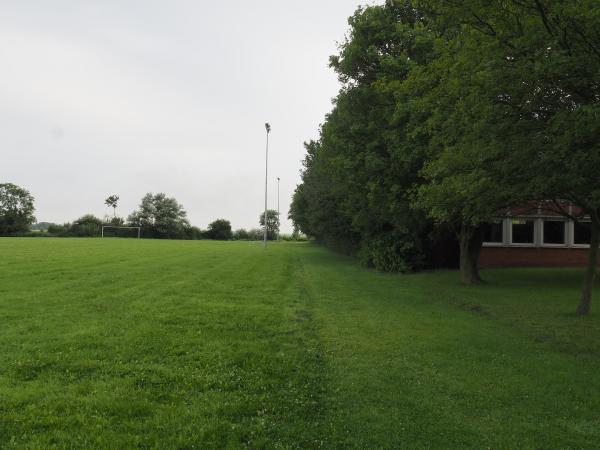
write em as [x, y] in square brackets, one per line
[196, 344]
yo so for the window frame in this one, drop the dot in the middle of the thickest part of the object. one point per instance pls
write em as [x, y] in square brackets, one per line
[572, 234]
[535, 242]
[566, 232]
[502, 243]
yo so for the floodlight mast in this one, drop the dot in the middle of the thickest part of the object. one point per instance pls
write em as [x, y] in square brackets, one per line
[268, 128]
[279, 224]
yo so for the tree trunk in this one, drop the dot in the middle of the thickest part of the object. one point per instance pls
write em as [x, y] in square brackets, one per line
[470, 239]
[585, 301]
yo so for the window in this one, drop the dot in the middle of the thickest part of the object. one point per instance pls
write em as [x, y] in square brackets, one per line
[582, 233]
[522, 231]
[492, 232]
[554, 232]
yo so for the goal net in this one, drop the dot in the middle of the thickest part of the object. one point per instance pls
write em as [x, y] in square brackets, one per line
[121, 232]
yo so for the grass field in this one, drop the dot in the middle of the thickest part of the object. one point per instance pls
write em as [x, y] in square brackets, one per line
[175, 344]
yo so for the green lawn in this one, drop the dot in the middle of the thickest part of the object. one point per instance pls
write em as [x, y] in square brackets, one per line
[175, 344]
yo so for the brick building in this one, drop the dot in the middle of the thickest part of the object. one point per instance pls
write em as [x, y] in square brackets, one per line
[536, 236]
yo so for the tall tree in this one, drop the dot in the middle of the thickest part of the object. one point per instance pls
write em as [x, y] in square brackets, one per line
[272, 223]
[358, 176]
[219, 230]
[464, 182]
[316, 204]
[160, 216]
[544, 61]
[16, 209]
[112, 201]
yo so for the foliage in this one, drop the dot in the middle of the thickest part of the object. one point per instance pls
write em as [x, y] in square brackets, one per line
[272, 223]
[41, 226]
[256, 234]
[86, 226]
[193, 233]
[112, 201]
[219, 230]
[358, 177]
[113, 220]
[160, 217]
[241, 235]
[392, 252]
[16, 209]
[57, 229]
[294, 237]
[449, 113]
[525, 74]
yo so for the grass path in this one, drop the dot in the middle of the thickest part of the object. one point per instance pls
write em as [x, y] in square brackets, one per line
[168, 344]
[412, 369]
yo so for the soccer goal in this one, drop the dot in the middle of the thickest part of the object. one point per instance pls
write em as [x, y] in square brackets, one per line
[122, 232]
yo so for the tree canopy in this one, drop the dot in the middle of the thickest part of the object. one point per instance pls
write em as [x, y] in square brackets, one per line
[16, 209]
[450, 112]
[160, 216]
[536, 66]
[112, 201]
[272, 223]
[357, 176]
[219, 230]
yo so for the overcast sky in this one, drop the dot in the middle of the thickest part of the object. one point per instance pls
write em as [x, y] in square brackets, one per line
[127, 97]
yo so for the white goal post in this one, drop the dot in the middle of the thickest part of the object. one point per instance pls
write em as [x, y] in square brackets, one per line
[139, 229]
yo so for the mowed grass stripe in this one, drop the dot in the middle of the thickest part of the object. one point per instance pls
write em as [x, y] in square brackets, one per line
[417, 371]
[169, 344]
[204, 347]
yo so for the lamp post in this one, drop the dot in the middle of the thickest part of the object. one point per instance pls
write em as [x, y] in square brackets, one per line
[279, 224]
[268, 128]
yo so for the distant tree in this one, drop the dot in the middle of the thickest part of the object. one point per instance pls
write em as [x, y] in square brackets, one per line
[255, 234]
[58, 229]
[86, 226]
[112, 201]
[241, 235]
[193, 233]
[41, 226]
[116, 221]
[272, 223]
[16, 209]
[219, 230]
[160, 216]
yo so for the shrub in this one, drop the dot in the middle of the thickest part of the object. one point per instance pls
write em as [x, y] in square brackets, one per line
[255, 234]
[193, 233]
[58, 230]
[87, 225]
[294, 237]
[241, 235]
[392, 252]
[41, 226]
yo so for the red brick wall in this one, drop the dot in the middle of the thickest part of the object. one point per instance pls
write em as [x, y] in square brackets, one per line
[532, 257]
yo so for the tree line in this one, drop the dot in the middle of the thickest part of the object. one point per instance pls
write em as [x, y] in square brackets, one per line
[449, 113]
[158, 216]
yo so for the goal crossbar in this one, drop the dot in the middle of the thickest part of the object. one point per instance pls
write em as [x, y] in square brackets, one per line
[139, 229]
